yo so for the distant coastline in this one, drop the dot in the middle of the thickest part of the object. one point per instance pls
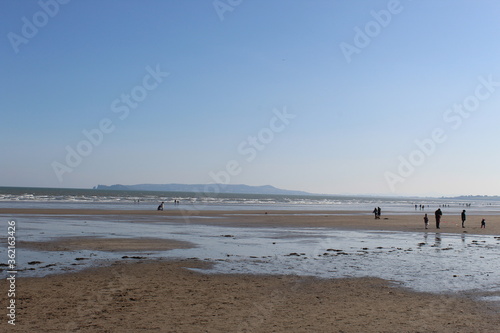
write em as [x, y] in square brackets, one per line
[200, 188]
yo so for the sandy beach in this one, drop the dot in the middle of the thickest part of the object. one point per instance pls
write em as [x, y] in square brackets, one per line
[165, 296]
[329, 219]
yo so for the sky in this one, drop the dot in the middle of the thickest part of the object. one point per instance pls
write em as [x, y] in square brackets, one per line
[333, 97]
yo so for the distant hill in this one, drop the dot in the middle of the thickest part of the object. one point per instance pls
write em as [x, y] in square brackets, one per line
[229, 188]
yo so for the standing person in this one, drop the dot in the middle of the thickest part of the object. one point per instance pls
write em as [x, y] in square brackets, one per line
[375, 211]
[379, 212]
[463, 218]
[426, 221]
[483, 223]
[438, 213]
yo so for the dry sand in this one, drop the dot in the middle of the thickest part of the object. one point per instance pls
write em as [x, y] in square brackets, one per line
[163, 296]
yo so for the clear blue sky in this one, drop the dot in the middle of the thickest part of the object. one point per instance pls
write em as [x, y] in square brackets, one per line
[363, 81]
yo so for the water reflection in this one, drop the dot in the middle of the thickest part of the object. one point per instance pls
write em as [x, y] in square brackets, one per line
[437, 240]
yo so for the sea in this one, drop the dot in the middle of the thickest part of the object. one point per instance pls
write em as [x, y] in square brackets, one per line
[67, 198]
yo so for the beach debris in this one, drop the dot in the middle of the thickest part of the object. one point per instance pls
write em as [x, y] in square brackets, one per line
[133, 257]
[81, 259]
[34, 262]
[227, 236]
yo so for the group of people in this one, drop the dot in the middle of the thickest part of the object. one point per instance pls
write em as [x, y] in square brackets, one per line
[438, 213]
[377, 211]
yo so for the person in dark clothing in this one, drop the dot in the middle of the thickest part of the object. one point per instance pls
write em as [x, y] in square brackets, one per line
[438, 215]
[483, 223]
[463, 218]
[426, 221]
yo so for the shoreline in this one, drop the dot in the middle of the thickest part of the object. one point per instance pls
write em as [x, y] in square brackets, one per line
[346, 220]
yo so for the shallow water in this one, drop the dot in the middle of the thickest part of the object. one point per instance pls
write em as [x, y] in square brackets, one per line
[426, 261]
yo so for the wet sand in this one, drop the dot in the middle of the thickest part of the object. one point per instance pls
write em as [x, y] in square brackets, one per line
[450, 223]
[107, 244]
[164, 296]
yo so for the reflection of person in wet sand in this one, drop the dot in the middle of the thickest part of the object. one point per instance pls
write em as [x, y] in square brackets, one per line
[438, 215]
[437, 240]
[426, 221]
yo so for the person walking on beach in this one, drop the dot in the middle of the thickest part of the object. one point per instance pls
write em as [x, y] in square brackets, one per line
[379, 212]
[160, 207]
[483, 224]
[426, 221]
[463, 218]
[438, 213]
[375, 211]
